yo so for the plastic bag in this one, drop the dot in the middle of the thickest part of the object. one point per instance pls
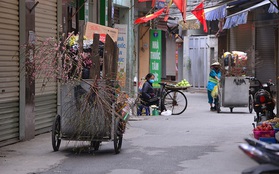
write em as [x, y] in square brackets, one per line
[166, 113]
[214, 92]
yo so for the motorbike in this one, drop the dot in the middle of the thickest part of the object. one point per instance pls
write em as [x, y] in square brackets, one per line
[263, 102]
[266, 155]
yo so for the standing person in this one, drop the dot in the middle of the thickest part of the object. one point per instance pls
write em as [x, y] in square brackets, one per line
[214, 78]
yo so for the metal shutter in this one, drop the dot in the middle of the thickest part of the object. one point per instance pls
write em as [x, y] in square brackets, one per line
[265, 60]
[241, 38]
[9, 71]
[198, 52]
[45, 93]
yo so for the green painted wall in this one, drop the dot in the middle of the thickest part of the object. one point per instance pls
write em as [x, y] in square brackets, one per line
[103, 12]
[81, 11]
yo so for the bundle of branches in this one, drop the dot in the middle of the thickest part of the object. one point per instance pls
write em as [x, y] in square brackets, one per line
[88, 105]
[88, 109]
[51, 59]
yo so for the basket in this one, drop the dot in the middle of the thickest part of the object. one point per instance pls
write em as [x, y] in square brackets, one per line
[264, 134]
[268, 140]
[177, 87]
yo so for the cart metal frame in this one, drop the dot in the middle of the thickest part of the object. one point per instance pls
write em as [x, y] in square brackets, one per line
[64, 125]
[233, 92]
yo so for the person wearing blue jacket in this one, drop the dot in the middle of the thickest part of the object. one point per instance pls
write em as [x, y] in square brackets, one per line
[214, 78]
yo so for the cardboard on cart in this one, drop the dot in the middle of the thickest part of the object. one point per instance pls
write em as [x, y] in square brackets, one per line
[92, 28]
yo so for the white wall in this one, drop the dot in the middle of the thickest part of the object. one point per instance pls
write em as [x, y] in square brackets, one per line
[170, 57]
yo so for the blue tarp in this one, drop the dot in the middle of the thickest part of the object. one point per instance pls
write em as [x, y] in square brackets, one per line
[241, 16]
[272, 8]
[217, 13]
[236, 20]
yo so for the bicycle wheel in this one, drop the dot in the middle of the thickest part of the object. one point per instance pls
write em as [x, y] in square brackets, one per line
[134, 106]
[175, 101]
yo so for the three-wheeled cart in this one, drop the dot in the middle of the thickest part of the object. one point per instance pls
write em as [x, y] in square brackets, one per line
[233, 92]
[82, 118]
[234, 86]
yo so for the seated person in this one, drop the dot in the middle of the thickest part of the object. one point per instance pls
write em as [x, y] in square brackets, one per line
[148, 96]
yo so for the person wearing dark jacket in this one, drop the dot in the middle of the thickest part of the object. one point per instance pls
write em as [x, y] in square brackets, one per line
[148, 95]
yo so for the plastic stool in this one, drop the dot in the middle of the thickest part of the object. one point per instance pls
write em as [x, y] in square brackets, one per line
[140, 107]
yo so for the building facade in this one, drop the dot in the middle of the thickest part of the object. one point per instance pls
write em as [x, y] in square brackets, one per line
[29, 105]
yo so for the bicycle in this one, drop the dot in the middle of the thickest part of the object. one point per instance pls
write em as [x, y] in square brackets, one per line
[170, 98]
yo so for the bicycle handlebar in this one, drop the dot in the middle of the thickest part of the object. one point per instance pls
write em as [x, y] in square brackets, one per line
[163, 84]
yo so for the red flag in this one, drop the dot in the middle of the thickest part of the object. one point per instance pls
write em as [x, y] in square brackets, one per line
[167, 11]
[199, 13]
[153, 3]
[181, 5]
[149, 17]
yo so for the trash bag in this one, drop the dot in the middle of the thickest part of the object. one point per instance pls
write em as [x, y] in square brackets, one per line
[166, 113]
[214, 92]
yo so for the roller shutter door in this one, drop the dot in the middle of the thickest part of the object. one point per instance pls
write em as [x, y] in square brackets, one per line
[265, 60]
[45, 88]
[241, 38]
[9, 71]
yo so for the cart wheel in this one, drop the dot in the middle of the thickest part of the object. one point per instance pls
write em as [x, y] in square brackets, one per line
[118, 135]
[231, 109]
[56, 133]
[218, 106]
[218, 109]
[257, 118]
[95, 145]
[251, 103]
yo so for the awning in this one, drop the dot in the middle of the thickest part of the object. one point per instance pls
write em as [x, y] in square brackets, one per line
[241, 16]
[212, 13]
[216, 13]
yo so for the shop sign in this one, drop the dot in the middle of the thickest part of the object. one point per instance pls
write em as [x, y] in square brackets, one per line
[156, 56]
[122, 56]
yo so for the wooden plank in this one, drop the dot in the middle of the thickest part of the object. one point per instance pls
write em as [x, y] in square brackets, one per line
[115, 61]
[95, 69]
[108, 57]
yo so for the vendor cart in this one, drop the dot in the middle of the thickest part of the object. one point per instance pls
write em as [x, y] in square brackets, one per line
[89, 106]
[234, 86]
[82, 119]
[233, 92]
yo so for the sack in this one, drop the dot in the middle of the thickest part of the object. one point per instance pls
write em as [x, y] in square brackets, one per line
[166, 113]
[214, 92]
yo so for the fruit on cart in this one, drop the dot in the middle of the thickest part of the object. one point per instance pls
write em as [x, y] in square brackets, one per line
[276, 125]
[274, 120]
[264, 127]
[183, 83]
